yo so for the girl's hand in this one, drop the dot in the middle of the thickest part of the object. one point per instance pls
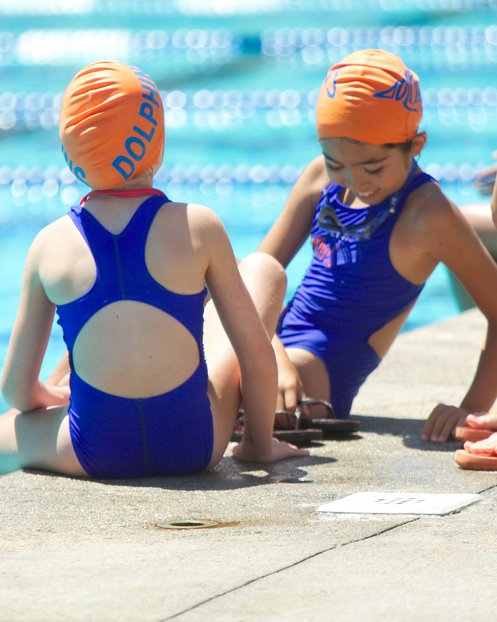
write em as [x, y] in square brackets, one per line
[442, 422]
[55, 395]
[278, 450]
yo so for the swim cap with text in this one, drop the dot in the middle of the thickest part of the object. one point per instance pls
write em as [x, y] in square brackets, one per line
[370, 96]
[111, 124]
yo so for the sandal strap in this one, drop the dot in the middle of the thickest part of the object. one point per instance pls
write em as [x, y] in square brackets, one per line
[296, 415]
[311, 401]
[305, 401]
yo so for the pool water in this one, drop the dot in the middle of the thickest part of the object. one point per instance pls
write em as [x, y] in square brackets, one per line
[239, 82]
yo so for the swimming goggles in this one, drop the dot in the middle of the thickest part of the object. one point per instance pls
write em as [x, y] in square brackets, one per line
[329, 221]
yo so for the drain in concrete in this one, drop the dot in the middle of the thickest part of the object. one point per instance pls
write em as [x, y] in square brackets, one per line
[194, 524]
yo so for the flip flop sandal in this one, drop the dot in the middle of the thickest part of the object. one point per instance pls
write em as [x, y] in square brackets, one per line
[290, 433]
[299, 437]
[473, 461]
[330, 425]
[296, 437]
[465, 433]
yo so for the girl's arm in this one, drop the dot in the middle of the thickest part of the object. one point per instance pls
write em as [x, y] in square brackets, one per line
[485, 179]
[283, 241]
[251, 343]
[450, 239]
[21, 386]
[293, 225]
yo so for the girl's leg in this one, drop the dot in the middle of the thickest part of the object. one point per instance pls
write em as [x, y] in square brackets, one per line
[38, 439]
[265, 280]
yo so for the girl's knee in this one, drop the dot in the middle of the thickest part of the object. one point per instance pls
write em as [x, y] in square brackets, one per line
[265, 267]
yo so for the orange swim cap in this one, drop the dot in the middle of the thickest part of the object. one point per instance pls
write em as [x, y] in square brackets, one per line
[370, 96]
[111, 124]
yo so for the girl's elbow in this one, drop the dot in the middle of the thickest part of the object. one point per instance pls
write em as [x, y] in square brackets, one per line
[11, 398]
[20, 400]
[6, 391]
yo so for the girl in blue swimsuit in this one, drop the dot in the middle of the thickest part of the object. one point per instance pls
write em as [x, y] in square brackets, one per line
[155, 377]
[378, 226]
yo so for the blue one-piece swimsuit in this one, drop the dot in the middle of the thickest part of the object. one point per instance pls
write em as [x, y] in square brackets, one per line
[114, 436]
[349, 291]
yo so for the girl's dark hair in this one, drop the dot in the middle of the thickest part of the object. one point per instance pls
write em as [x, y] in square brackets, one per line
[404, 147]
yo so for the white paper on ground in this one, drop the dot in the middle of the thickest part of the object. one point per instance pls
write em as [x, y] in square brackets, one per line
[398, 503]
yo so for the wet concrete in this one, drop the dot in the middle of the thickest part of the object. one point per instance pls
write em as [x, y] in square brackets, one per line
[90, 550]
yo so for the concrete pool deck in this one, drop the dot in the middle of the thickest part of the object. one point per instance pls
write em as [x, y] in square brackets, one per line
[84, 550]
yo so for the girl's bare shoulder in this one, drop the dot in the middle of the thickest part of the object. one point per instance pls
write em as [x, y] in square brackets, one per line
[308, 188]
[432, 223]
[315, 175]
[428, 210]
[59, 232]
[189, 218]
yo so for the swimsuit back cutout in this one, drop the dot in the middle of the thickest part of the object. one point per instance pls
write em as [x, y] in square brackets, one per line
[351, 283]
[122, 274]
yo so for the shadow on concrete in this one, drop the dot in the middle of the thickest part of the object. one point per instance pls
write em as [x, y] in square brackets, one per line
[227, 475]
[409, 429]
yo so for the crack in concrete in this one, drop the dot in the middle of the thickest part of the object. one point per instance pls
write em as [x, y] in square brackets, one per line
[308, 557]
[288, 567]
